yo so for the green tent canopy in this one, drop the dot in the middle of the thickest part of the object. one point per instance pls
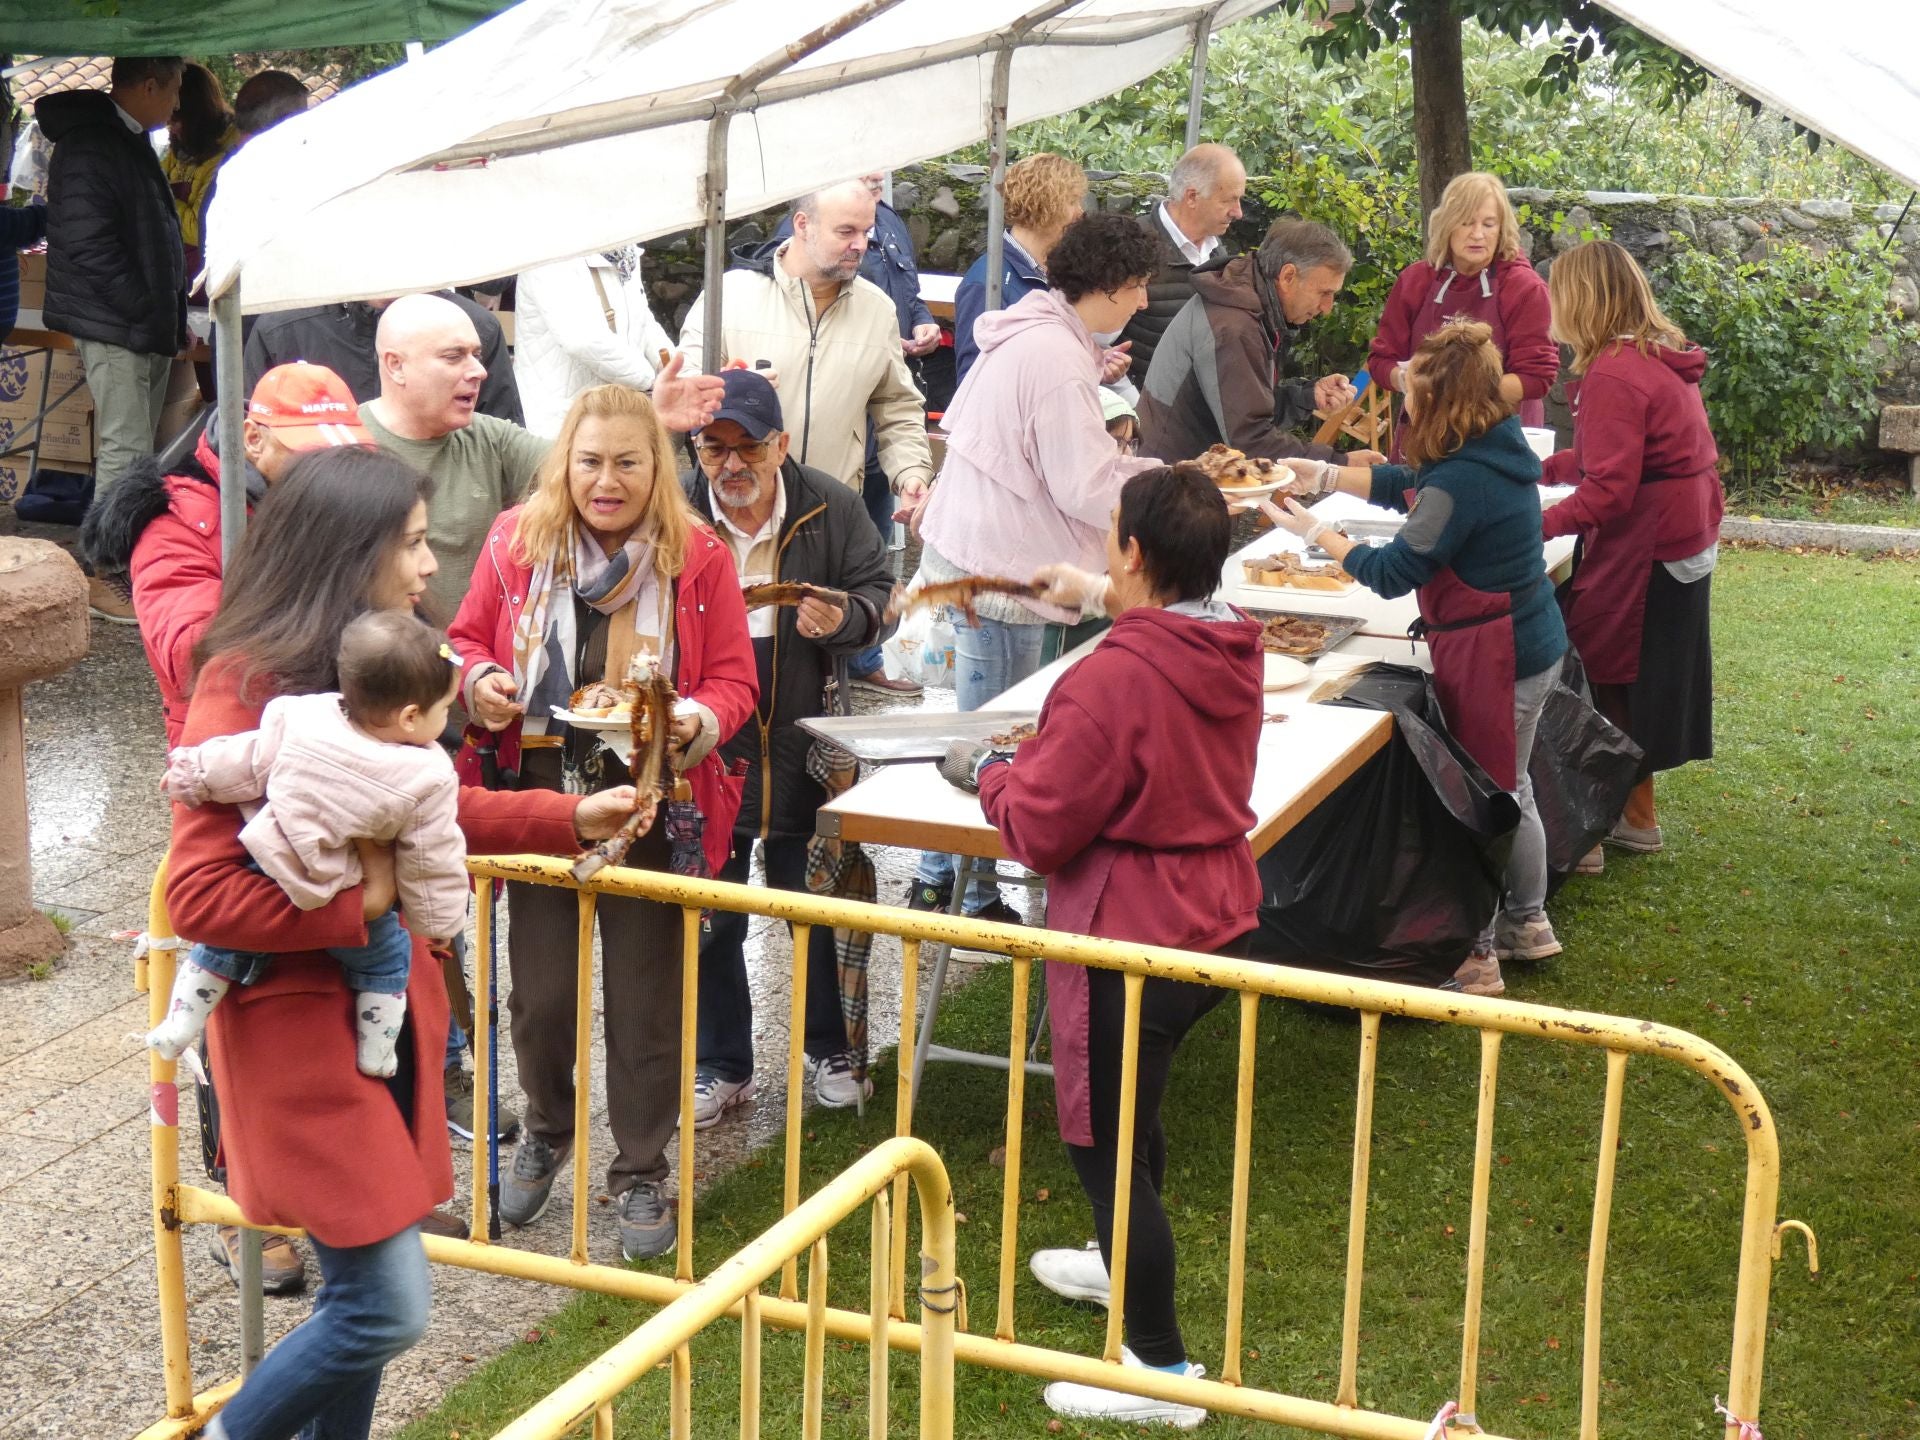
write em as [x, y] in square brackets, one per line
[227, 27]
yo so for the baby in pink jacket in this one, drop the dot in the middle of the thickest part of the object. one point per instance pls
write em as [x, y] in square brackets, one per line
[328, 770]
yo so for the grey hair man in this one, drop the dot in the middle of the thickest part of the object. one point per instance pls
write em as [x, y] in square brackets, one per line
[800, 311]
[1219, 374]
[1204, 191]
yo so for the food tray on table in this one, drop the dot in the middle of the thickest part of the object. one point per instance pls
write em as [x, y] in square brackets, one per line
[900, 739]
[1338, 629]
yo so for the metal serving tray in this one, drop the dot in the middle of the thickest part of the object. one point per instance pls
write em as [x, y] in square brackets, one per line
[899, 739]
[1340, 628]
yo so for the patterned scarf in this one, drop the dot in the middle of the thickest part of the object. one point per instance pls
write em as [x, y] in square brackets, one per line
[625, 259]
[546, 638]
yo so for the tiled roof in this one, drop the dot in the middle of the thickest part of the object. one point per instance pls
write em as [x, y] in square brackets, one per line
[91, 72]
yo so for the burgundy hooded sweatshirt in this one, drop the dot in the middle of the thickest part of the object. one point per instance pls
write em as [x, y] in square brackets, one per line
[1134, 800]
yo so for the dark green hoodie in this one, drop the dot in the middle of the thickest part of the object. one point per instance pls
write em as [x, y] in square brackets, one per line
[1477, 512]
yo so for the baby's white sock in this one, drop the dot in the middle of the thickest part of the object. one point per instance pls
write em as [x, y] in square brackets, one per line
[195, 993]
[377, 1018]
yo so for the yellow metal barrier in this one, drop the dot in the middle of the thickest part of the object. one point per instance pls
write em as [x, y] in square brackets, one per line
[1619, 1039]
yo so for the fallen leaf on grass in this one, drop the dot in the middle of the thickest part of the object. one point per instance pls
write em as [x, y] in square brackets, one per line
[1553, 1342]
[997, 1157]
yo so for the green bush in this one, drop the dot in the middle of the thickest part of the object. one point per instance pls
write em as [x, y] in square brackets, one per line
[1796, 343]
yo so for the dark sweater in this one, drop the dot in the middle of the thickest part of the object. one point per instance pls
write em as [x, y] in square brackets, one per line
[1477, 512]
[1169, 289]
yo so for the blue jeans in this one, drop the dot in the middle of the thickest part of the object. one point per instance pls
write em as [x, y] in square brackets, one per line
[986, 661]
[881, 504]
[381, 965]
[456, 1037]
[320, 1382]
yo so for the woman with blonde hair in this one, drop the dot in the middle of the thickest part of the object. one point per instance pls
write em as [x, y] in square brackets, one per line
[1471, 552]
[603, 561]
[1044, 195]
[1647, 507]
[1473, 268]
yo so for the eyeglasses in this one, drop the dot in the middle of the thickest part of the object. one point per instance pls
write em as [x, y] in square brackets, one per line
[716, 455]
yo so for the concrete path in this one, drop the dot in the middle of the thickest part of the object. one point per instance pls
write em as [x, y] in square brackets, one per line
[79, 1331]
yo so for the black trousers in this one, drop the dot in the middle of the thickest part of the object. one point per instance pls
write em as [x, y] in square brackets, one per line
[725, 1044]
[1168, 1010]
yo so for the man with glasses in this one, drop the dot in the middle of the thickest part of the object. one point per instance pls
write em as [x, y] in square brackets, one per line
[783, 522]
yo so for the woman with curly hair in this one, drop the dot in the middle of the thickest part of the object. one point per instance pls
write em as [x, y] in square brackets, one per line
[1471, 553]
[1031, 475]
[604, 560]
[1043, 195]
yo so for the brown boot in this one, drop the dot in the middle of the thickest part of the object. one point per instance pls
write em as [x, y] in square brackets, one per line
[282, 1269]
[109, 601]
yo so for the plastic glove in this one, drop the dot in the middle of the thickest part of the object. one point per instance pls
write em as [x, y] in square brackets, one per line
[1310, 477]
[1072, 588]
[1296, 518]
[965, 759]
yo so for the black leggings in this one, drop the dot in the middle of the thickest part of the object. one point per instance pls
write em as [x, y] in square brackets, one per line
[1168, 1010]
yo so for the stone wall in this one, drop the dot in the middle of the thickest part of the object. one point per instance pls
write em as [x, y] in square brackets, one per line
[945, 207]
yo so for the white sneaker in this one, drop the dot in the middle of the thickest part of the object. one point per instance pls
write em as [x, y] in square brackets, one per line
[1090, 1402]
[1074, 1274]
[714, 1097]
[835, 1085]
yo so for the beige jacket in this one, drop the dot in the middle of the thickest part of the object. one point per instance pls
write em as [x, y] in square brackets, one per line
[835, 372]
[325, 785]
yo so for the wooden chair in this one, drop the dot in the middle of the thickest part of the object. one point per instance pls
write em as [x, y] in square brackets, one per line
[1368, 421]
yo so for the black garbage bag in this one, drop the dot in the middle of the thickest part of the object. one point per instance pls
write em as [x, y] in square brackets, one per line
[1582, 767]
[1395, 874]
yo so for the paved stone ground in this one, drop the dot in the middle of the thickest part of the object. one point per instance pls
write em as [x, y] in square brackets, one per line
[79, 1328]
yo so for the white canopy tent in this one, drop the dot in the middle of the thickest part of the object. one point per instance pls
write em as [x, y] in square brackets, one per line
[1848, 70]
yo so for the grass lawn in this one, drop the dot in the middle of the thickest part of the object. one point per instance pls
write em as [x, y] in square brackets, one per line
[1778, 924]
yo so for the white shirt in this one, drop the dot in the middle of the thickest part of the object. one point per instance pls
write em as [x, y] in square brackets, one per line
[755, 556]
[1195, 253]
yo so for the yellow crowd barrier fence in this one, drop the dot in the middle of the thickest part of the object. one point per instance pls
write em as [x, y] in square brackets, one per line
[176, 1204]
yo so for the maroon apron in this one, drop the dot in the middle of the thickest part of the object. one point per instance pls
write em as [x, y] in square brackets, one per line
[1606, 605]
[1459, 294]
[1470, 635]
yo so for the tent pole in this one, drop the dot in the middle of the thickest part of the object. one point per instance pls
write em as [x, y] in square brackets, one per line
[230, 383]
[1197, 89]
[715, 267]
[997, 160]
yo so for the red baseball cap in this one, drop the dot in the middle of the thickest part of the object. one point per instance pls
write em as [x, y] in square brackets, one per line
[307, 407]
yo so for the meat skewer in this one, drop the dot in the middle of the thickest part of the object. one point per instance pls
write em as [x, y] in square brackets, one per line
[961, 594]
[652, 726]
[790, 592]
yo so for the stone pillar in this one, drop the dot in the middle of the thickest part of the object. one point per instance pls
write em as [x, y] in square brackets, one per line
[43, 630]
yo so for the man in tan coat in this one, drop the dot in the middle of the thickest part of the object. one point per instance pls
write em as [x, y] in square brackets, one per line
[832, 341]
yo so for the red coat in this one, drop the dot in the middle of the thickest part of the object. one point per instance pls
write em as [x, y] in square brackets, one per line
[1517, 310]
[308, 1139]
[1647, 480]
[713, 660]
[1134, 799]
[175, 571]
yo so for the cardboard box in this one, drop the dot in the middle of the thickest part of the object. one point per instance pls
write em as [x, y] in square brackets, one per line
[66, 432]
[33, 281]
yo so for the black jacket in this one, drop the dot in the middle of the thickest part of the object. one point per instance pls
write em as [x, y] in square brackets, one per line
[115, 270]
[828, 540]
[1167, 292]
[340, 337]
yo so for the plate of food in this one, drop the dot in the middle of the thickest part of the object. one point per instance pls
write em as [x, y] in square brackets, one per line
[1303, 636]
[1286, 570]
[1284, 672]
[1241, 476]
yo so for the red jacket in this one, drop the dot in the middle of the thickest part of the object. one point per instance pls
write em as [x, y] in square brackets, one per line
[713, 660]
[1416, 307]
[1647, 480]
[1134, 799]
[308, 1139]
[175, 573]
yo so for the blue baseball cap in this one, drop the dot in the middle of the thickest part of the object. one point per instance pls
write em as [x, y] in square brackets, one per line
[751, 403]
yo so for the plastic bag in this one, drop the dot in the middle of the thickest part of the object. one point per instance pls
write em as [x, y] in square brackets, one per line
[1582, 768]
[1397, 872]
[922, 648]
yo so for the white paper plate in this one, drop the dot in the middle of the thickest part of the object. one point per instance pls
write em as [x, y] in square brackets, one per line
[593, 722]
[1284, 672]
[1252, 492]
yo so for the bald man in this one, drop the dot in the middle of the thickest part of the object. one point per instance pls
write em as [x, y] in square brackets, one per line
[1204, 191]
[428, 414]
